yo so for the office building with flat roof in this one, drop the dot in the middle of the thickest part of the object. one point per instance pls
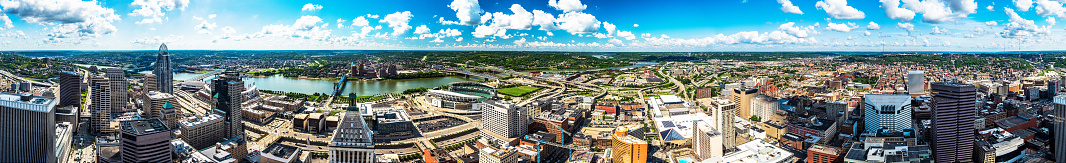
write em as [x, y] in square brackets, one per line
[1059, 122]
[706, 141]
[69, 89]
[885, 111]
[916, 82]
[202, 132]
[119, 89]
[504, 119]
[146, 140]
[742, 98]
[29, 128]
[954, 112]
[99, 105]
[227, 93]
[352, 141]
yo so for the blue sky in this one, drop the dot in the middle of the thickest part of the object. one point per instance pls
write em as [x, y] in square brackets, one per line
[549, 25]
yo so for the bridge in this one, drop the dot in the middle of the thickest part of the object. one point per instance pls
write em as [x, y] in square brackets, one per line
[338, 87]
[20, 79]
[468, 73]
[205, 75]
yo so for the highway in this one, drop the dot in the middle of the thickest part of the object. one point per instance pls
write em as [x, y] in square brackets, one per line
[13, 76]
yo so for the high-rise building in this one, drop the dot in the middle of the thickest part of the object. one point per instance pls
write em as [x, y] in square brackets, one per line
[764, 107]
[626, 148]
[727, 89]
[886, 111]
[352, 140]
[153, 103]
[916, 82]
[954, 111]
[119, 87]
[504, 119]
[170, 115]
[164, 71]
[1059, 122]
[706, 141]
[99, 104]
[69, 89]
[29, 128]
[202, 132]
[149, 83]
[724, 115]
[228, 88]
[742, 98]
[823, 153]
[146, 140]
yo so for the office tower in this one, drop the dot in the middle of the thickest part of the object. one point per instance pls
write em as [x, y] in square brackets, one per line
[149, 82]
[885, 111]
[916, 82]
[352, 140]
[764, 107]
[153, 103]
[705, 92]
[954, 111]
[164, 71]
[145, 140]
[504, 119]
[170, 115]
[742, 98]
[228, 88]
[725, 114]
[69, 89]
[1059, 122]
[29, 128]
[99, 104]
[203, 132]
[706, 141]
[119, 87]
[626, 148]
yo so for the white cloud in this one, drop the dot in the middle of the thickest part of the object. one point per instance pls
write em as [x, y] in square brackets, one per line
[991, 23]
[636, 25]
[609, 27]
[990, 8]
[468, 11]
[450, 32]
[212, 16]
[567, 5]
[398, 21]
[311, 7]
[627, 35]
[521, 19]
[340, 23]
[152, 10]
[520, 41]
[6, 21]
[481, 31]
[306, 28]
[67, 18]
[787, 7]
[228, 29]
[933, 11]
[800, 32]
[459, 39]
[748, 37]
[1048, 8]
[1023, 5]
[839, 9]
[937, 31]
[204, 27]
[873, 25]
[1020, 27]
[907, 26]
[360, 21]
[577, 22]
[438, 40]
[154, 41]
[963, 7]
[840, 27]
[422, 29]
[545, 20]
[893, 11]
[867, 33]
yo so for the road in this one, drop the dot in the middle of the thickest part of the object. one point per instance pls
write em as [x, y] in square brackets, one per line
[8, 74]
[681, 87]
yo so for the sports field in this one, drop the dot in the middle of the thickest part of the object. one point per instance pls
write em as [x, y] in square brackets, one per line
[517, 91]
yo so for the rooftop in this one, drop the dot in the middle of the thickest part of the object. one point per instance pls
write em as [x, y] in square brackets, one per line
[27, 101]
[145, 126]
[278, 151]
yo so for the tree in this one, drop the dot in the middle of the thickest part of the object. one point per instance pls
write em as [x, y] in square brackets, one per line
[755, 118]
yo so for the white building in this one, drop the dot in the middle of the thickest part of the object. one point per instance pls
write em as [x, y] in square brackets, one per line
[916, 82]
[706, 141]
[504, 119]
[891, 112]
[756, 151]
[764, 107]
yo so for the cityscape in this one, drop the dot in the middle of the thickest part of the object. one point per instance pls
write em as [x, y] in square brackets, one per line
[737, 82]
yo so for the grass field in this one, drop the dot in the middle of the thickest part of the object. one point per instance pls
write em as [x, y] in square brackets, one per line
[518, 91]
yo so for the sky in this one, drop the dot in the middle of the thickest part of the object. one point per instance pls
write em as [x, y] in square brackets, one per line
[535, 25]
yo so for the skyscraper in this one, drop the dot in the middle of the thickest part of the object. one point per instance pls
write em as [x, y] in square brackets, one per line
[99, 104]
[149, 82]
[119, 86]
[706, 141]
[228, 88]
[626, 148]
[916, 82]
[504, 119]
[885, 111]
[69, 89]
[725, 111]
[742, 98]
[145, 140]
[954, 111]
[29, 128]
[352, 140]
[164, 71]
[1060, 127]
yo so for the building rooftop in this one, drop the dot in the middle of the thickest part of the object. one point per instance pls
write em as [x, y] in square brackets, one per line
[27, 101]
[352, 132]
[196, 121]
[281, 152]
[145, 126]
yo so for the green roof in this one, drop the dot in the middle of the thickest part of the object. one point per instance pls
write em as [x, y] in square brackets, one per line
[168, 105]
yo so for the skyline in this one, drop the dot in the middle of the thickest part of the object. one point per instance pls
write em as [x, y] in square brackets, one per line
[553, 25]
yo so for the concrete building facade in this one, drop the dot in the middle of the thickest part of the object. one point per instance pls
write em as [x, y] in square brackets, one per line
[29, 128]
[954, 111]
[146, 140]
[884, 111]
